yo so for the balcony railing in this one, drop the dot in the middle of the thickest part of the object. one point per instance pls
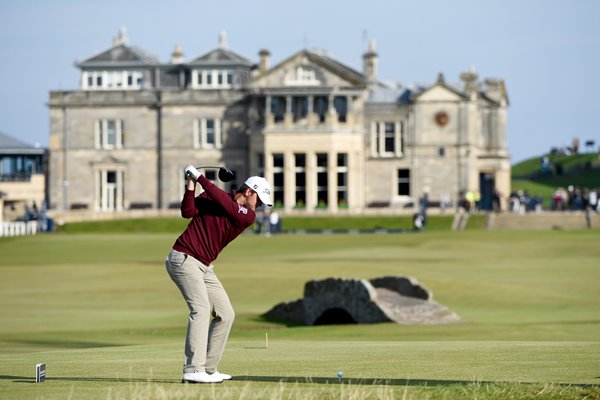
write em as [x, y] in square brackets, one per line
[16, 177]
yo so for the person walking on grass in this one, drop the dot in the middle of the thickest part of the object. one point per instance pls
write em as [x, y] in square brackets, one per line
[217, 218]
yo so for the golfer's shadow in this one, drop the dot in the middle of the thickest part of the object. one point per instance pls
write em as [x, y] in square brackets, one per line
[27, 379]
[284, 379]
[248, 378]
[380, 381]
[351, 381]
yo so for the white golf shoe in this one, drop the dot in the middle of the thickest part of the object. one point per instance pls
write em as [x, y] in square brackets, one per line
[224, 377]
[201, 377]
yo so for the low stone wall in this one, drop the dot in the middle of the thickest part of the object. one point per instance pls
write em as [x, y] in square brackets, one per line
[85, 215]
[543, 221]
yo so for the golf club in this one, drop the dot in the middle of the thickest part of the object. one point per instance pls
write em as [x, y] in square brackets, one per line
[225, 174]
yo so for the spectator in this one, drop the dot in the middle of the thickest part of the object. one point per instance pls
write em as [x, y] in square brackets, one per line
[462, 202]
[266, 224]
[545, 165]
[423, 205]
[594, 199]
[585, 199]
[477, 200]
[524, 200]
[536, 203]
[258, 222]
[559, 199]
[577, 200]
[444, 202]
[570, 196]
[470, 201]
[514, 202]
[496, 201]
[275, 222]
[575, 145]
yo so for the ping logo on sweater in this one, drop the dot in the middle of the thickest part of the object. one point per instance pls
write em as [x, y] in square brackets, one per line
[242, 209]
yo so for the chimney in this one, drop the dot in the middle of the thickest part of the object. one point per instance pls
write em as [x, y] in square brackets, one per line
[440, 79]
[121, 39]
[223, 40]
[265, 61]
[177, 55]
[494, 88]
[470, 80]
[370, 63]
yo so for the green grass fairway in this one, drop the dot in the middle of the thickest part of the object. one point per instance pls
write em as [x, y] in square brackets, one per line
[101, 312]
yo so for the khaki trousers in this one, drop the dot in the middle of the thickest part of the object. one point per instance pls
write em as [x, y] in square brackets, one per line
[205, 296]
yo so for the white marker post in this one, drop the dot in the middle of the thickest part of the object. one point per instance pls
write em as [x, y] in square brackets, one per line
[266, 340]
[40, 373]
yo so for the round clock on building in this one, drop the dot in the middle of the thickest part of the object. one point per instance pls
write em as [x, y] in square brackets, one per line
[441, 118]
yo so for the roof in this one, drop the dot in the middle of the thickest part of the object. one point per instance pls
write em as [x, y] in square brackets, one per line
[221, 57]
[382, 94]
[11, 145]
[442, 83]
[335, 65]
[327, 62]
[120, 56]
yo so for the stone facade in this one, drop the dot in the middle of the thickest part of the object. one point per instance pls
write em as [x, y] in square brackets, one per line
[330, 139]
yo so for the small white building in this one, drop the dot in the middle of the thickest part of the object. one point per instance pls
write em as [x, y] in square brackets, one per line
[22, 178]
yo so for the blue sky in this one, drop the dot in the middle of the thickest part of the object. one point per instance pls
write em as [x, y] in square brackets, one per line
[548, 52]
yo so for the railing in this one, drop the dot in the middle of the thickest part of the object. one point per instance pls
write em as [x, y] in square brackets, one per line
[16, 177]
[19, 228]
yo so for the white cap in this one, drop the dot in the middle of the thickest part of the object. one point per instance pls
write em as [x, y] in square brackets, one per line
[262, 188]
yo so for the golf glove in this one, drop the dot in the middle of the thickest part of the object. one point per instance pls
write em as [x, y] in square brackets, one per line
[190, 170]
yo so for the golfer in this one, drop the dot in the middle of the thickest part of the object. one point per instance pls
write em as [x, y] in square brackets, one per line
[216, 219]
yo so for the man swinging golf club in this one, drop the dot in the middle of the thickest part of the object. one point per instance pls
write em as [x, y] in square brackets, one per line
[216, 219]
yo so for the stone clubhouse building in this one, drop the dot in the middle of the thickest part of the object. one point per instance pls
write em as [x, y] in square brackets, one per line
[329, 138]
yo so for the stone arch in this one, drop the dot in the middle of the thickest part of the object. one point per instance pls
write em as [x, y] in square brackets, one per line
[347, 301]
[335, 316]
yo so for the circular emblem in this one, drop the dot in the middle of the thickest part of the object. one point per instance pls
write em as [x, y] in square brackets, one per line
[441, 118]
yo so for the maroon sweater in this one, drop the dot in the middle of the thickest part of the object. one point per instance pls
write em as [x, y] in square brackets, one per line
[217, 219]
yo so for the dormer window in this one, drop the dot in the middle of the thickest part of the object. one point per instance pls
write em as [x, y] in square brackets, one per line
[112, 80]
[212, 79]
[302, 75]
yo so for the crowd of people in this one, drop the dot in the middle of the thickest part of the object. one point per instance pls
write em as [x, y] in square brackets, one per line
[571, 199]
[267, 222]
[520, 201]
[576, 199]
[470, 201]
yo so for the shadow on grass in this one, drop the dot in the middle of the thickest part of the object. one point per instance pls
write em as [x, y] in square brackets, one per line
[295, 379]
[64, 344]
[386, 381]
[28, 379]
[357, 381]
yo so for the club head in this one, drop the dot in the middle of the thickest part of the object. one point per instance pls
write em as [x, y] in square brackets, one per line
[226, 175]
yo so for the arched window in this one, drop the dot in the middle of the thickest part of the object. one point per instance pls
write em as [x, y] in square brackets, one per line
[303, 75]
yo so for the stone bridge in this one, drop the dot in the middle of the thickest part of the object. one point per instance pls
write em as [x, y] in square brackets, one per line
[358, 301]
